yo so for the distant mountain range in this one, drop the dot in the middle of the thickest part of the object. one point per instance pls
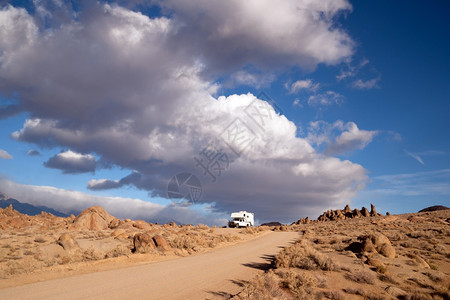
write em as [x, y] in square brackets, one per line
[26, 208]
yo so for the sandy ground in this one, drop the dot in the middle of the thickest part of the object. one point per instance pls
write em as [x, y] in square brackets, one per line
[208, 275]
[373, 258]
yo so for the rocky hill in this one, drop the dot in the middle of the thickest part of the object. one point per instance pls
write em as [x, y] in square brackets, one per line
[434, 208]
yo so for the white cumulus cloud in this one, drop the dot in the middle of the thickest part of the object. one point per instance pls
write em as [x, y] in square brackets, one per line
[306, 84]
[339, 137]
[5, 155]
[137, 92]
[71, 162]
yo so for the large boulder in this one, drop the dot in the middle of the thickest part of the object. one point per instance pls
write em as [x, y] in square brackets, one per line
[140, 224]
[382, 244]
[94, 218]
[143, 243]
[161, 243]
[67, 242]
[371, 244]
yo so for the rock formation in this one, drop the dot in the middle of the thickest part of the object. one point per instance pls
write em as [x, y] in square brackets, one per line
[68, 242]
[373, 243]
[94, 218]
[373, 211]
[365, 212]
[346, 213]
[144, 243]
[11, 218]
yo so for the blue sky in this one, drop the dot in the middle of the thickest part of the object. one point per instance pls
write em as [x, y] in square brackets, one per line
[120, 97]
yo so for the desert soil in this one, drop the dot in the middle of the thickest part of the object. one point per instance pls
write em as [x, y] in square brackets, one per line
[209, 275]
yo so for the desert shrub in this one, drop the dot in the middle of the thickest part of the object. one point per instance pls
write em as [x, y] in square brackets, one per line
[202, 226]
[264, 287]
[441, 249]
[334, 295]
[354, 291]
[64, 260]
[434, 276]
[381, 269]
[91, 254]
[420, 234]
[433, 267]
[231, 238]
[28, 252]
[194, 241]
[251, 230]
[406, 245]
[387, 278]
[362, 277]
[415, 296]
[183, 242]
[120, 250]
[303, 256]
[301, 285]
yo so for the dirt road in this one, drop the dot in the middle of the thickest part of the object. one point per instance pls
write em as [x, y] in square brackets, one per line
[205, 276]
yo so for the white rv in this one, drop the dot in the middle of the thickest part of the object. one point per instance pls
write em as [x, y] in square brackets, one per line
[241, 219]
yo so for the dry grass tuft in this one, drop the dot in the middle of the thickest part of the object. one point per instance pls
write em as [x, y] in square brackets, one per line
[362, 277]
[303, 256]
[299, 284]
[264, 287]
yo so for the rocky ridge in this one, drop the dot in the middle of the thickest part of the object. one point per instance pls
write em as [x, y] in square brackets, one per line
[342, 214]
